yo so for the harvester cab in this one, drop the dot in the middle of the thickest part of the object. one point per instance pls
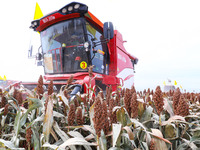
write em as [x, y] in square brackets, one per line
[72, 39]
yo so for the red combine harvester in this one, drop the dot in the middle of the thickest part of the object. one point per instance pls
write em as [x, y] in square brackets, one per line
[72, 39]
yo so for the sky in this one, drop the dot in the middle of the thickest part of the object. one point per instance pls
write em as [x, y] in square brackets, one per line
[163, 35]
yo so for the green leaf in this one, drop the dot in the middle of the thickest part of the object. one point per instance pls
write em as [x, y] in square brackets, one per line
[17, 128]
[36, 139]
[159, 140]
[52, 146]
[141, 109]
[62, 134]
[75, 141]
[190, 144]
[130, 133]
[115, 148]
[92, 115]
[116, 134]
[8, 144]
[170, 131]
[37, 103]
[168, 107]
[57, 114]
[147, 114]
[63, 98]
[121, 116]
[48, 120]
[103, 141]
[138, 124]
[77, 134]
[3, 120]
[173, 119]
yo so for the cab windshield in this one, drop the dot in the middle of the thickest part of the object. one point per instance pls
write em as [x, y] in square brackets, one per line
[63, 47]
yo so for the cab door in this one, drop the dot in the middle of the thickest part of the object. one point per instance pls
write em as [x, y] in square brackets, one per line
[99, 52]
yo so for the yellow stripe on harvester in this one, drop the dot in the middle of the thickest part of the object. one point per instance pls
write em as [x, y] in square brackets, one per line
[101, 52]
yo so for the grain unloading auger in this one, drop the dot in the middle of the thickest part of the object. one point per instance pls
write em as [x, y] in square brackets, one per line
[72, 39]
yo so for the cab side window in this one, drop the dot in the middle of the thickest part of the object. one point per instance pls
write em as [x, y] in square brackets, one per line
[99, 52]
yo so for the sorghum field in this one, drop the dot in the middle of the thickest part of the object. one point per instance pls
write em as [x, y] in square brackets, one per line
[121, 120]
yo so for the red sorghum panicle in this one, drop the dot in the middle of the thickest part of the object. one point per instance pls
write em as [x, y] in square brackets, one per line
[176, 98]
[183, 107]
[76, 102]
[133, 89]
[117, 99]
[144, 92]
[26, 104]
[69, 81]
[79, 116]
[92, 101]
[66, 94]
[84, 99]
[29, 135]
[4, 101]
[1, 92]
[148, 91]
[148, 101]
[152, 144]
[71, 115]
[101, 94]
[64, 109]
[97, 116]
[198, 97]
[19, 98]
[50, 87]
[127, 101]
[123, 92]
[112, 115]
[15, 93]
[158, 100]
[134, 106]
[105, 121]
[40, 89]
[151, 92]
[6, 109]
[108, 94]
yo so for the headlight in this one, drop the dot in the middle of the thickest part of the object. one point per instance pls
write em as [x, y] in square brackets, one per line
[64, 10]
[70, 8]
[76, 6]
[86, 44]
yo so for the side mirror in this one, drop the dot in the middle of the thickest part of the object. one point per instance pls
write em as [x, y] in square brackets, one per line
[108, 30]
[38, 56]
[30, 51]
